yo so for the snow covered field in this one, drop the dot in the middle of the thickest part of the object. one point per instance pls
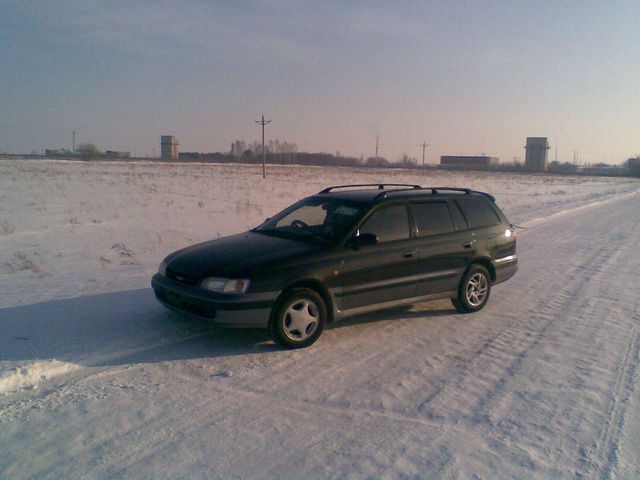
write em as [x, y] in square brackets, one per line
[97, 380]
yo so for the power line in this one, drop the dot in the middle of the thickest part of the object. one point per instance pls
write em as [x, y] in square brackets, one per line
[424, 147]
[263, 122]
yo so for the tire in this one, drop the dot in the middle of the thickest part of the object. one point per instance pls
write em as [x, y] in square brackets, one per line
[298, 318]
[457, 305]
[474, 290]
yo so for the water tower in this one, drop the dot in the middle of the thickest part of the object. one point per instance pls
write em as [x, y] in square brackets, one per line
[536, 154]
[168, 147]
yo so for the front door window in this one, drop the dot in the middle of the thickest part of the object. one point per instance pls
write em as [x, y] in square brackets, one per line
[388, 224]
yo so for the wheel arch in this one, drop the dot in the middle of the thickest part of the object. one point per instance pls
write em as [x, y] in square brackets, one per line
[486, 263]
[318, 287]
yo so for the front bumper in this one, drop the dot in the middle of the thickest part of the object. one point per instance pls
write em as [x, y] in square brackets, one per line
[249, 310]
[505, 267]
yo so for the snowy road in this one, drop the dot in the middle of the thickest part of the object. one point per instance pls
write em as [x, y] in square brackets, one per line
[542, 383]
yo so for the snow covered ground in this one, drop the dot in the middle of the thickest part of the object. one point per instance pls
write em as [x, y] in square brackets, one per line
[97, 380]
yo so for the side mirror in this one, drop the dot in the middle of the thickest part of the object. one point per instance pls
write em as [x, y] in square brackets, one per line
[363, 240]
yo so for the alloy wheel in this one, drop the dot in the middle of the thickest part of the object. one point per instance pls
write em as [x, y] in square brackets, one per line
[476, 289]
[300, 319]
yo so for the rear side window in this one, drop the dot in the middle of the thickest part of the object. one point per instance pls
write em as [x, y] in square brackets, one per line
[458, 218]
[478, 212]
[432, 218]
[388, 223]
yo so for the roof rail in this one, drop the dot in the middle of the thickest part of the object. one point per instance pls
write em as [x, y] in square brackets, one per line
[396, 190]
[436, 190]
[452, 189]
[379, 186]
[466, 191]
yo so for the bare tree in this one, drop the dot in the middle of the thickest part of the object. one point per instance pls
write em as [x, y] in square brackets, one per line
[88, 151]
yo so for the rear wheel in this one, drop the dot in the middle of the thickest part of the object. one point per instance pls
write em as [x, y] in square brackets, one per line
[298, 318]
[474, 290]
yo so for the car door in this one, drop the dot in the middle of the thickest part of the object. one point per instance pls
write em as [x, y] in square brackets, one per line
[444, 245]
[385, 271]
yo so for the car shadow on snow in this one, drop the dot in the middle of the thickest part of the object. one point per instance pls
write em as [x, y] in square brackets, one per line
[116, 328]
[132, 327]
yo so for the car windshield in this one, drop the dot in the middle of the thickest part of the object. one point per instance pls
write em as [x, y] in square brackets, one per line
[323, 219]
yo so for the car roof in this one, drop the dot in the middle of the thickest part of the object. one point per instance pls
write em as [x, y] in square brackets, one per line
[377, 193]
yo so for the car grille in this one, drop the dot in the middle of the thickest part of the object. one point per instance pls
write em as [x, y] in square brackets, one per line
[181, 278]
[183, 303]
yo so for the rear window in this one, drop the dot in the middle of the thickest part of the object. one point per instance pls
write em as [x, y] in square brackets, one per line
[432, 218]
[478, 212]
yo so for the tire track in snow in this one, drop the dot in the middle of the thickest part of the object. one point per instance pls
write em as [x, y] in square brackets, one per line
[624, 387]
[595, 315]
[489, 370]
[607, 448]
[484, 377]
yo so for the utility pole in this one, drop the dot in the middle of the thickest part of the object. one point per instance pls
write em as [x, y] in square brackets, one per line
[73, 141]
[424, 147]
[263, 122]
[377, 136]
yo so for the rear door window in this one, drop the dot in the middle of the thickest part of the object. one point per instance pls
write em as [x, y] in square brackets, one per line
[388, 223]
[458, 218]
[478, 212]
[432, 218]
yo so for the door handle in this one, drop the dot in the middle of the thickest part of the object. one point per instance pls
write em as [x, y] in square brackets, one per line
[467, 244]
[409, 254]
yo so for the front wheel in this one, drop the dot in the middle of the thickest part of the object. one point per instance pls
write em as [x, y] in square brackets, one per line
[298, 318]
[474, 290]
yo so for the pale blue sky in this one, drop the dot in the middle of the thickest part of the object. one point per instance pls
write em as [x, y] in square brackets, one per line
[467, 77]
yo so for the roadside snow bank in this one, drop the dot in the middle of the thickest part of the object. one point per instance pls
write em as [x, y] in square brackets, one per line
[28, 376]
[536, 222]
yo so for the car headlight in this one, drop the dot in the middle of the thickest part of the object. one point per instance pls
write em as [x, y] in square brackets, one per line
[162, 269]
[225, 285]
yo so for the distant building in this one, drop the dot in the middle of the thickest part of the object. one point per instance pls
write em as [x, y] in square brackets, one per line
[116, 154]
[52, 152]
[168, 147]
[557, 167]
[603, 170]
[468, 162]
[537, 150]
[58, 152]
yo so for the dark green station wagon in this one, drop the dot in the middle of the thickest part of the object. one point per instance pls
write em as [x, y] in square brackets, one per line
[347, 250]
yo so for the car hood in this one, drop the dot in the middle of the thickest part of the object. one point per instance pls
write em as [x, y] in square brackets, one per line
[236, 256]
